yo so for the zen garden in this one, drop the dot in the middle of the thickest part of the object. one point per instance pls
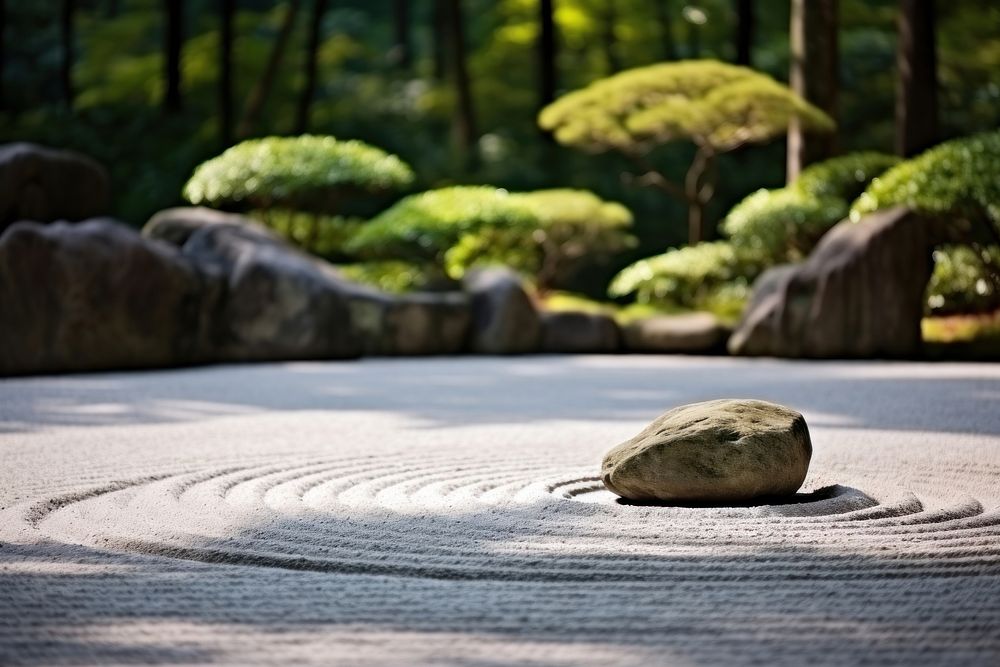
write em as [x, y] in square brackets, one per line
[526, 332]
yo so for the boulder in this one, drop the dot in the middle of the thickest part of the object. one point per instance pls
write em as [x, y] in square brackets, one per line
[713, 452]
[44, 185]
[410, 324]
[176, 225]
[859, 294]
[577, 332]
[278, 303]
[694, 333]
[504, 320]
[96, 295]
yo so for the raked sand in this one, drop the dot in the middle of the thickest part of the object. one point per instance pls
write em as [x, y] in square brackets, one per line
[448, 512]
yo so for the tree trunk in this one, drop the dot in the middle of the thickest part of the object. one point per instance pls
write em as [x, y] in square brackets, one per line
[111, 11]
[744, 32]
[439, 32]
[465, 118]
[916, 88]
[172, 43]
[402, 52]
[227, 9]
[699, 187]
[609, 39]
[665, 26]
[546, 54]
[262, 90]
[814, 76]
[3, 29]
[66, 36]
[312, 51]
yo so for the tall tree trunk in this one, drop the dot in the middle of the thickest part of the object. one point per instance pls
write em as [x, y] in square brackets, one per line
[814, 76]
[262, 89]
[312, 51]
[172, 43]
[3, 51]
[609, 39]
[111, 11]
[666, 30]
[66, 37]
[744, 32]
[546, 53]
[465, 116]
[402, 51]
[440, 36]
[227, 9]
[916, 88]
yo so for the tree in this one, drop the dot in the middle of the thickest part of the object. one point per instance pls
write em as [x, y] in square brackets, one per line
[172, 44]
[67, 30]
[317, 175]
[402, 52]
[717, 107]
[814, 77]
[312, 50]
[744, 32]
[441, 36]
[546, 53]
[464, 124]
[916, 88]
[227, 9]
[3, 30]
[422, 228]
[663, 22]
[572, 227]
[261, 91]
[609, 40]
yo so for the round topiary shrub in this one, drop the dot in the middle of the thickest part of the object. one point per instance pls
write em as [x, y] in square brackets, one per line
[308, 173]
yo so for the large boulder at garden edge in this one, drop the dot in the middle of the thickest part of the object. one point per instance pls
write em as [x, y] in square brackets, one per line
[96, 295]
[859, 294]
[419, 323]
[44, 185]
[693, 333]
[579, 333]
[279, 303]
[176, 225]
[720, 451]
[504, 320]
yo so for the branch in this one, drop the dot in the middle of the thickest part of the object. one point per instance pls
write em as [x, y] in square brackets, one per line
[653, 178]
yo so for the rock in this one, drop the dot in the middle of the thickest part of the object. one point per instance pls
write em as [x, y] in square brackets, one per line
[96, 295]
[504, 320]
[716, 451]
[859, 294]
[44, 185]
[695, 333]
[279, 303]
[410, 324]
[176, 225]
[577, 332]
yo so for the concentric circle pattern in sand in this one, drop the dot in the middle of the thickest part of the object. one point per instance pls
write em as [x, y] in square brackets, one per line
[513, 520]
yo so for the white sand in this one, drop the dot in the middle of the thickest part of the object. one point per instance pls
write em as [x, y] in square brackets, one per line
[447, 512]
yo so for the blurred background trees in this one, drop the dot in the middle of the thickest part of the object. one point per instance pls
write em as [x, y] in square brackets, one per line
[153, 88]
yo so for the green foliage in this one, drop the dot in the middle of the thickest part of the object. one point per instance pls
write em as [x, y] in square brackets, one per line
[693, 276]
[961, 280]
[323, 236]
[306, 173]
[423, 227]
[785, 224]
[389, 276]
[572, 226]
[711, 103]
[959, 179]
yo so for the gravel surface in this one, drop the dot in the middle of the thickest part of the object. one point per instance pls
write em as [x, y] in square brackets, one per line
[449, 512]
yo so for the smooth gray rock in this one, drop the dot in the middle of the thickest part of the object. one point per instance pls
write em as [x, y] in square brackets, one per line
[579, 333]
[504, 320]
[279, 303]
[713, 452]
[44, 185]
[420, 323]
[96, 295]
[694, 333]
[176, 225]
[859, 294]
